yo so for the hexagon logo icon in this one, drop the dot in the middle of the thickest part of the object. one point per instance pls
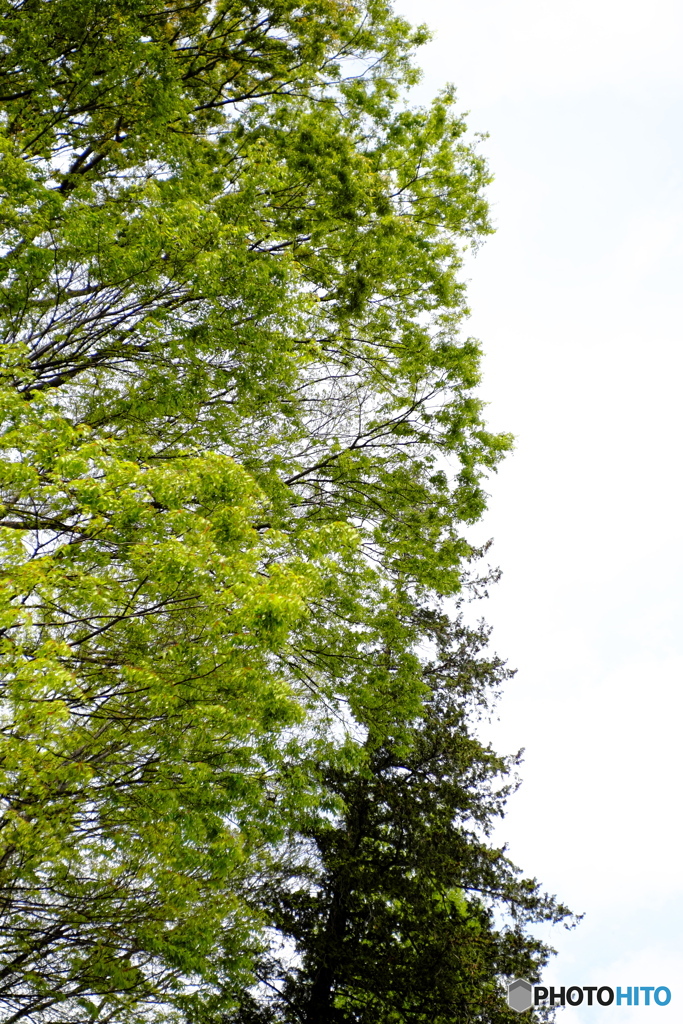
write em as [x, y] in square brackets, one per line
[520, 995]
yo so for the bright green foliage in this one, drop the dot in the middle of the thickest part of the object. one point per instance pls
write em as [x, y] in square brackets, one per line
[239, 442]
[141, 710]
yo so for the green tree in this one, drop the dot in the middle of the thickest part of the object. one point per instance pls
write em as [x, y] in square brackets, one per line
[398, 908]
[232, 378]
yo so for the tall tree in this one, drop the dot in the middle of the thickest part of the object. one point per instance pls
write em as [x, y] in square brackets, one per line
[239, 439]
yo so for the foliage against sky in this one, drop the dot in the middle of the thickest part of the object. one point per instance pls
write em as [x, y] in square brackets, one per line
[240, 441]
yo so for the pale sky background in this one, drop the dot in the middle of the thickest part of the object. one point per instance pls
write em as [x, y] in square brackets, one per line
[577, 301]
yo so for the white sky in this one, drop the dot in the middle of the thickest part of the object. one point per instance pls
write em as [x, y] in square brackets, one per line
[577, 301]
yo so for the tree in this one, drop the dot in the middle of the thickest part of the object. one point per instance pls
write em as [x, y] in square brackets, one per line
[232, 381]
[393, 913]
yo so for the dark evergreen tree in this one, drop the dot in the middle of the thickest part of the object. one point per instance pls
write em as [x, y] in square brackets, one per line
[403, 911]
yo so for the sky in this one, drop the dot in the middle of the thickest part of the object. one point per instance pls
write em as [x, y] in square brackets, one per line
[578, 304]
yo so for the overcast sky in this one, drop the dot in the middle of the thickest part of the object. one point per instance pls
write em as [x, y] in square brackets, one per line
[577, 302]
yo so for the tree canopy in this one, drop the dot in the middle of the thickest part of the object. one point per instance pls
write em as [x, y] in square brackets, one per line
[241, 443]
